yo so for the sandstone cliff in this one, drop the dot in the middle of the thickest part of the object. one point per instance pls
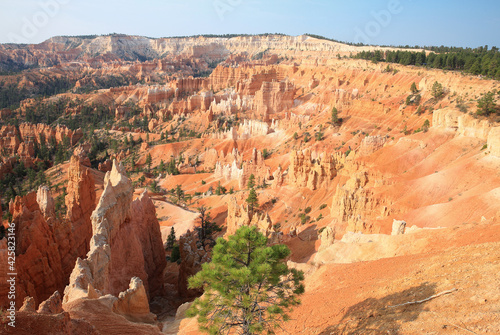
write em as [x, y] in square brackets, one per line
[239, 216]
[304, 171]
[126, 243]
[38, 260]
[192, 257]
[48, 246]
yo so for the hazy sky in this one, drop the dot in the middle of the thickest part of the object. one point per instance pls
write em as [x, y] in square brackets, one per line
[394, 22]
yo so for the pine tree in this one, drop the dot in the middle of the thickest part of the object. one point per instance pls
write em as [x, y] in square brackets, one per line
[149, 161]
[413, 88]
[252, 200]
[179, 193]
[335, 117]
[486, 104]
[206, 229]
[437, 90]
[161, 166]
[248, 286]
[251, 181]
[171, 239]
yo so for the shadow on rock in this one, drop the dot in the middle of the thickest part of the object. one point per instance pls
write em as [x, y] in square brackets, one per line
[375, 316]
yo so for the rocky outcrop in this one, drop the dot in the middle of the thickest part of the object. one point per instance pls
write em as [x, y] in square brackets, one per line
[21, 141]
[243, 171]
[239, 216]
[352, 202]
[107, 165]
[370, 144]
[494, 141]
[38, 259]
[228, 172]
[255, 166]
[304, 171]
[35, 132]
[45, 202]
[48, 246]
[53, 305]
[327, 238]
[192, 257]
[398, 227]
[126, 243]
[133, 303]
[464, 124]
[81, 153]
[28, 305]
[251, 128]
[273, 97]
[277, 178]
[80, 202]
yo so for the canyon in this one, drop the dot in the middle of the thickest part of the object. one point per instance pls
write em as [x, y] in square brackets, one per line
[386, 203]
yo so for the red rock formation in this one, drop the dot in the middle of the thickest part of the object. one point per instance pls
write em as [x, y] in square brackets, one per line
[274, 97]
[38, 261]
[255, 166]
[239, 216]
[370, 144]
[126, 243]
[107, 165]
[352, 203]
[52, 305]
[133, 303]
[192, 257]
[47, 247]
[311, 173]
[81, 152]
[80, 202]
[33, 132]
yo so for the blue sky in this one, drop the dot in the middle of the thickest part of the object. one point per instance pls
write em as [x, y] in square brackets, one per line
[392, 22]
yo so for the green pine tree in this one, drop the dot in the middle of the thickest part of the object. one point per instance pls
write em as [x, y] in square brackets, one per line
[413, 88]
[486, 104]
[335, 116]
[171, 239]
[179, 194]
[248, 286]
[437, 90]
[252, 200]
[149, 161]
[251, 181]
[206, 229]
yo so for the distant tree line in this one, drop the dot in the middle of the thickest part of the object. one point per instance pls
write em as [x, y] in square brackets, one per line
[319, 37]
[478, 61]
[227, 35]
[11, 95]
[105, 82]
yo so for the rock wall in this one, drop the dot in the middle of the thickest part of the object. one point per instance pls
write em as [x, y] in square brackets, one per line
[239, 216]
[494, 141]
[370, 144]
[21, 142]
[126, 243]
[304, 171]
[273, 97]
[38, 259]
[80, 202]
[47, 245]
[31, 131]
[255, 166]
[353, 202]
[464, 124]
[192, 257]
